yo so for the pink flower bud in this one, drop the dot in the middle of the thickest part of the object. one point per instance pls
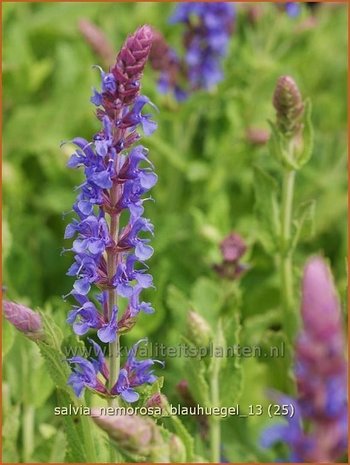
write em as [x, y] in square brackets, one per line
[157, 400]
[24, 319]
[257, 136]
[134, 434]
[97, 40]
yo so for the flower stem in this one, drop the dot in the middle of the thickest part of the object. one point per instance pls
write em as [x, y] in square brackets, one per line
[286, 262]
[215, 432]
[112, 259]
[28, 432]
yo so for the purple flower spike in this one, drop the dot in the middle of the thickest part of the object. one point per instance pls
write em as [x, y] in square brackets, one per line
[208, 29]
[109, 262]
[318, 433]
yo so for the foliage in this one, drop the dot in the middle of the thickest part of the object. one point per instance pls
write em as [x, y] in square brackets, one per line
[209, 175]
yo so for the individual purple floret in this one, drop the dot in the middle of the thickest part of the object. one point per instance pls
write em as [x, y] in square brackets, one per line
[109, 257]
[318, 431]
[208, 27]
[292, 9]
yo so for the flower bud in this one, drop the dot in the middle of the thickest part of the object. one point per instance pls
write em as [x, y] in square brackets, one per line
[157, 400]
[97, 40]
[289, 106]
[257, 136]
[24, 319]
[232, 247]
[199, 330]
[134, 435]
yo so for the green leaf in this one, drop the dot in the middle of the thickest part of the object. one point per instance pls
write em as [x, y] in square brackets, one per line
[304, 223]
[231, 375]
[10, 429]
[75, 452]
[8, 337]
[207, 298]
[177, 301]
[279, 360]
[41, 385]
[278, 146]
[308, 136]
[266, 207]
[56, 365]
[72, 346]
[254, 327]
[196, 377]
[53, 333]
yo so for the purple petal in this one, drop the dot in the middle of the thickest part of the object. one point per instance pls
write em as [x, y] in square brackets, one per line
[129, 395]
[143, 251]
[82, 286]
[147, 179]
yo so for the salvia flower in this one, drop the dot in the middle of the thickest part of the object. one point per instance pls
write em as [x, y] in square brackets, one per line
[292, 9]
[208, 27]
[24, 319]
[109, 259]
[318, 431]
[232, 247]
[93, 374]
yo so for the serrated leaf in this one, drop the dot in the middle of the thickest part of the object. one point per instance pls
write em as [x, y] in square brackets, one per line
[56, 365]
[53, 333]
[304, 223]
[231, 375]
[266, 206]
[72, 346]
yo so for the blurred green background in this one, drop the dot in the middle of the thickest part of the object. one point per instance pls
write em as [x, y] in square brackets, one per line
[205, 190]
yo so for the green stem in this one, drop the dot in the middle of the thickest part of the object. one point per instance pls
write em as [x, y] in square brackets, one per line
[286, 259]
[28, 432]
[215, 432]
